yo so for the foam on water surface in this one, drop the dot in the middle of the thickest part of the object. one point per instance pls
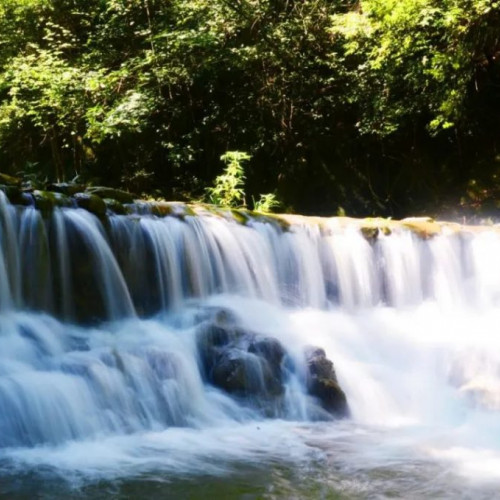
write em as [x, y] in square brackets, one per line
[411, 325]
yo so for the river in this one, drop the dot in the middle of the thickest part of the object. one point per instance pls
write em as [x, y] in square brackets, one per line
[102, 394]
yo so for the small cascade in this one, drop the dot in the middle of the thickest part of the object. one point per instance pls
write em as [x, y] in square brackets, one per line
[10, 292]
[78, 267]
[118, 324]
[57, 383]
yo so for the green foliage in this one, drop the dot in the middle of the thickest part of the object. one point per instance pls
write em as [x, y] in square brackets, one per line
[419, 58]
[228, 190]
[372, 105]
[266, 203]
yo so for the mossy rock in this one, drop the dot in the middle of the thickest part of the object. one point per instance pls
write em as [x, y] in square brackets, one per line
[9, 180]
[372, 228]
[322, 383]
[173, 209]
[230, 373]
[209, 209]
[274, 219]
[91, 202]
[45, 201]
[210, 336]
[241, 216]
[370, 233]
[160, 209]
[113, 194]
[67, 188]
[425, 227]
[115, 206]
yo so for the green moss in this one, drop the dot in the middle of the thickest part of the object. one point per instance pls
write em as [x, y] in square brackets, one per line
[174, 209]
[44, 201]
[212, 209]
[370, 233]
[425, 227]
[91, 203]
[273, 219]
[115, 206]
[188, 211]
[241, 216]
[67, 188]
[114, 194]
[9, 180]
[161, 209]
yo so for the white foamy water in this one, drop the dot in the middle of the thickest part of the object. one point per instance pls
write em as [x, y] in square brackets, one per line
[411, 326]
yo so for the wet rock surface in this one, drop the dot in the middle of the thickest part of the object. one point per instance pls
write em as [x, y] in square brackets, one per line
[90, 202]
[240, 362]
[114, 194]
[9, 180]
[251, 366]
[322, 382]
[98, 200]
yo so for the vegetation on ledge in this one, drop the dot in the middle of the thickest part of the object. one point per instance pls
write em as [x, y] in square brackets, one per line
[103, 201]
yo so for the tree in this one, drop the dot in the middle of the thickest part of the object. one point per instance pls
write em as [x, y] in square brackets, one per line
[372, 106]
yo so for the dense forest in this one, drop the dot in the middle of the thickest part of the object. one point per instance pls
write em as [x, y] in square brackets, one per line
[366, 107]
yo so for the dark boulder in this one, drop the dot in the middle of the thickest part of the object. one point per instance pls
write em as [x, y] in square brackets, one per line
[212, 340]
[322, 382]
[255, 368]
[240, 362]
[229, 371]
[13, 193]
[271, 351]
[245, 374]
[269, 348]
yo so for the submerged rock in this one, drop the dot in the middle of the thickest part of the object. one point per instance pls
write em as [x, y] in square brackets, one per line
[322, 382]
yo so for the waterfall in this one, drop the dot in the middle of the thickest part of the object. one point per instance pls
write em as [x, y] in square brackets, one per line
[70, 262]
[110, 326]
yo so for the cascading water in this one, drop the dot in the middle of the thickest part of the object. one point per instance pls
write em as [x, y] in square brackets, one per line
[104, 370]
